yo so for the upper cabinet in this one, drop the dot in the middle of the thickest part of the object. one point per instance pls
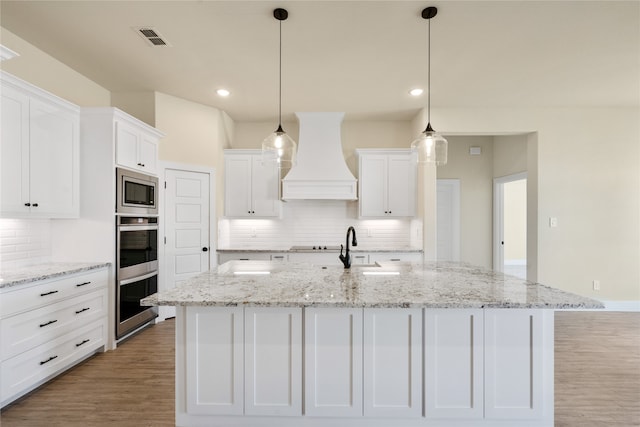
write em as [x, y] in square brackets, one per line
[387, 183]
[251, 186]
[39, 152]
[136, 147]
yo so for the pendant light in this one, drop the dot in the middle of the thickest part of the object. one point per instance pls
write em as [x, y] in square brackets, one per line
[430, 145]
[279, 147]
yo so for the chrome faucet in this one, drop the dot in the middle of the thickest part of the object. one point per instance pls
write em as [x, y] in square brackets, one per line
[346, 258]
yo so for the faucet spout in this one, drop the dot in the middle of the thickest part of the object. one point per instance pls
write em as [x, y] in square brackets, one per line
[346, 258]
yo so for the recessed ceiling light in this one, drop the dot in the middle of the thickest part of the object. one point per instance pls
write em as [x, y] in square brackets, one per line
[223, 92]
[416, 92]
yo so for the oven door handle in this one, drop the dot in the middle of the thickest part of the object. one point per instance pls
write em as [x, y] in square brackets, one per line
[138, 278]
[137, 227]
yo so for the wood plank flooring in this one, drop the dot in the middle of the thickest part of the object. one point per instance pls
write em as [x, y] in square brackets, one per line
[597, 379]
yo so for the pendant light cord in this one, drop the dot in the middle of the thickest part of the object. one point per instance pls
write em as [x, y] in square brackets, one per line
[429, 71]
[280, 83]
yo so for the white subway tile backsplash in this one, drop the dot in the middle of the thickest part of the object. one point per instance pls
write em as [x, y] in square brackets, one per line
[24, 242]
[321, 222]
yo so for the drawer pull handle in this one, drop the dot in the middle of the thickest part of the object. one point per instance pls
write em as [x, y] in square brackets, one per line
[48, 360]
[48, 293]
[395, 259]
[42, 325]
[83, 342]
[82, 284]
[84, 309]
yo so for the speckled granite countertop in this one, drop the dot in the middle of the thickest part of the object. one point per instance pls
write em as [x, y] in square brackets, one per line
[289, 250]
[434, 285]
[32, 273]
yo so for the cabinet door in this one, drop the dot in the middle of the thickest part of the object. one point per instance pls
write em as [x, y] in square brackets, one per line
[373, 186]
[127, 138]
[265, 180]
[519, 363]
[273, 361]
[53, 161]
[401, 185]
[214, 360]
[14, 152]
[333, 362]
[237, 185]
[393, 363]
[453, 363]
[148, 154]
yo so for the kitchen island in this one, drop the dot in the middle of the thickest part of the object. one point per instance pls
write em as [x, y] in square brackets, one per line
[443, 344]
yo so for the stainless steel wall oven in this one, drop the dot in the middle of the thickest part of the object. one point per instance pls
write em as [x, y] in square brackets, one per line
[137, 271]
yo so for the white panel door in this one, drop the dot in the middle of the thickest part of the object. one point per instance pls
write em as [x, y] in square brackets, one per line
[393, 363]
[515, 373]
[187, 222]
[273, 361]
[214, 360]
[333, 362]
[448, 219]
[453, 363]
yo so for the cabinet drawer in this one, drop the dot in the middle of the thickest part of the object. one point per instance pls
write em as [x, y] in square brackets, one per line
[27, 330]
[21, 373]
[41, 293]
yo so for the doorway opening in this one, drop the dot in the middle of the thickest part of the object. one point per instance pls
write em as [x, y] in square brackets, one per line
[510, 225]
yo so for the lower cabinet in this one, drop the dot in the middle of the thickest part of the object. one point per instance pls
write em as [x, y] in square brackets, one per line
[48, 326]
[454, 363]
[273, 361]
[214, 361]
[333, 362]
[393, 362]
[444, 367]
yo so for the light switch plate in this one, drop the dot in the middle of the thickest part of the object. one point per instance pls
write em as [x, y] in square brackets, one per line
[553, 222]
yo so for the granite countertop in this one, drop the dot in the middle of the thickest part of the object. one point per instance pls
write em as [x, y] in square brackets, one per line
[32, 273]
[290, 250]
[432, 285]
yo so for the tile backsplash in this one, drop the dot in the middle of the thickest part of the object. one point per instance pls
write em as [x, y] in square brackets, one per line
[24, 242]
[318, 222]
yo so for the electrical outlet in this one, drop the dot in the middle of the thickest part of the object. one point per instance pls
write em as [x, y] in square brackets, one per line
[253, 232]
[596, 285]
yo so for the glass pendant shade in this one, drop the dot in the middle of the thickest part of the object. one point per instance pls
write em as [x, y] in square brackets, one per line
[279, 147]
[431, 147]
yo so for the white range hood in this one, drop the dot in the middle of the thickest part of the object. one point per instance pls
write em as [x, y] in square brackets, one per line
[321, 172]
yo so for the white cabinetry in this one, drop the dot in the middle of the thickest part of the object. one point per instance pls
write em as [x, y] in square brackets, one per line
[136, 145]
[251, 187]
[517, 359]
[453, 363]
[393, 362]
[333, 362]
[387, 183]
[252, 256]
[273, 361]
[39, 152]
[48, 326]
[395, 257]
[214, 360]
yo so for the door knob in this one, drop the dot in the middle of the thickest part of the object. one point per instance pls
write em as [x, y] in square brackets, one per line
[205, 249]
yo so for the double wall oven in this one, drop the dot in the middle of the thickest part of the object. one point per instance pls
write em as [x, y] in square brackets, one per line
[136, 249]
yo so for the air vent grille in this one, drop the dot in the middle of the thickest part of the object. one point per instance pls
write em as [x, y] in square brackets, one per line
[151, 36]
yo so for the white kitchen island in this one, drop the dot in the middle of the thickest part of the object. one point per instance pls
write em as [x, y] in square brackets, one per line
[271, 344]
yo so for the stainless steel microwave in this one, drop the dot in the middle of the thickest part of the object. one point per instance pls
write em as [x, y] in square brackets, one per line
[136, 193]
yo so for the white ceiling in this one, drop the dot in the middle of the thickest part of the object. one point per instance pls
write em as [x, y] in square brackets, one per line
[360, 57]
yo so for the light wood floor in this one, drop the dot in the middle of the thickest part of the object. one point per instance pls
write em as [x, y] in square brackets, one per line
[597, 379]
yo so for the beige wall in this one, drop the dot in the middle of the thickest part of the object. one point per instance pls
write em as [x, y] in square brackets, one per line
[509, 155]
[587, 178]
[355, 134]
[194, 134]
[476, 196]
[46, 72]
[141, 105]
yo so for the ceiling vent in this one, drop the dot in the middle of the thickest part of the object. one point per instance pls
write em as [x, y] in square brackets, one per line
[152, 36]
